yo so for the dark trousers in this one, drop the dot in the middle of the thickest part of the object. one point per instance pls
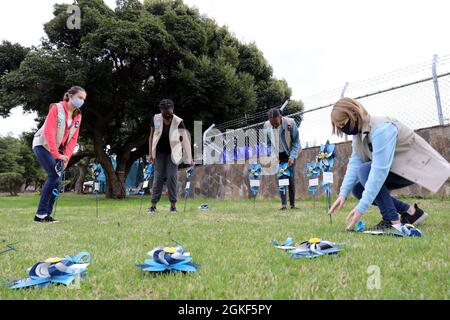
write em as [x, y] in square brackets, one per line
[388, 205]
[165, 169]
[283, 157]
[52, 182]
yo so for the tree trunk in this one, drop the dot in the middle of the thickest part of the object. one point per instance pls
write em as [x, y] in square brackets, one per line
[115, 182]
[82, 170]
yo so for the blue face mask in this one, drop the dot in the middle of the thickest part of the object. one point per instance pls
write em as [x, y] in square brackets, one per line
[77, 102]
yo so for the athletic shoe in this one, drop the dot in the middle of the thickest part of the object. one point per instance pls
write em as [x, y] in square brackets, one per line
[47, 219]
[173, 210]
[283, 208]
[294, 208]
[50, 219]
[152, 209]
[418, 217]
[382, 225]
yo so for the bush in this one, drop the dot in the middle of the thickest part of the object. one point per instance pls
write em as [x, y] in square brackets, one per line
[11, 182]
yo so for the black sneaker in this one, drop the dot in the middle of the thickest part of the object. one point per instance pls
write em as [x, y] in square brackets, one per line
[294, 208]
[152, 209]
[382, 225]
[50, 219]
[283, 208]
[173, 210]
[47, 219]
[37, 219]
[418, 217]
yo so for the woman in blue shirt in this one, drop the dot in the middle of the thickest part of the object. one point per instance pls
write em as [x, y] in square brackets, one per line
[386, 155]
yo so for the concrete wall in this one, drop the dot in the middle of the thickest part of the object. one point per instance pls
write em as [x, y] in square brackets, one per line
[230, 181]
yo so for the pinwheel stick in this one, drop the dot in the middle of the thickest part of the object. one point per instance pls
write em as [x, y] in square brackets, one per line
[185, 202]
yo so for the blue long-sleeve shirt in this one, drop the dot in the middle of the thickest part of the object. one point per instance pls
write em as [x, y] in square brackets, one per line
[384, 140]
[295, 140]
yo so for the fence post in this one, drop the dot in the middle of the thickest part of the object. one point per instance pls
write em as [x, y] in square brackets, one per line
[342, 95]
[344, 89]
[436, 91]
[204, 141]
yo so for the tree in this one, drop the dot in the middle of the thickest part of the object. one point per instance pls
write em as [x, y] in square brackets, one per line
[128, 59]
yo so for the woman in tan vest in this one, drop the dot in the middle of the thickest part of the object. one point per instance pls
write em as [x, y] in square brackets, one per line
[53, 145]
[386, 155]
[168, 138]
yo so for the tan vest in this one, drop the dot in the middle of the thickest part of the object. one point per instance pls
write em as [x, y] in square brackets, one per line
[414, 158]
[177, 137]
[39, 137]
[287, 134]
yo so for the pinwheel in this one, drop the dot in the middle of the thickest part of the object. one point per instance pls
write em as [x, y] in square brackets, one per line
[55, 270]
[313, 172]
[288, 244]
[326, 157]
[326, 163]
[254, 175]
[169, 259]
[315, 247]
[96, 170]
[204, 206]
[59, 168]
[283, 174]
[148, 173]
[189, 174]
[403, 230]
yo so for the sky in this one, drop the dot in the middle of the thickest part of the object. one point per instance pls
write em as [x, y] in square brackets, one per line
[314, 45]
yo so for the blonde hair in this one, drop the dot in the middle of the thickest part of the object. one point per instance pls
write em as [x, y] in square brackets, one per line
[347, 109]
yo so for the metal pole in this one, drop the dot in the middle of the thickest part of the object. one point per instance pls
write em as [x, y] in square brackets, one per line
[204, 141]
[436, 91]
[344, 89]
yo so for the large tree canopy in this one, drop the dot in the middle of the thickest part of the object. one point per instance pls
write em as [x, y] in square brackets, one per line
[130, 58]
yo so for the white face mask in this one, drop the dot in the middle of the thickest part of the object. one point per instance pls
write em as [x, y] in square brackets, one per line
[77, 102]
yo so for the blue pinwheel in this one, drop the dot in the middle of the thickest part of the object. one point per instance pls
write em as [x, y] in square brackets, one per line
[288, 244]
[169, 259]
[315, 247]
[326, 163]
[283, 173]
[189, 174]
[312, 172]
[401, 230]
[55, 270]
[326, 157]
[59, 169]
[254, 175]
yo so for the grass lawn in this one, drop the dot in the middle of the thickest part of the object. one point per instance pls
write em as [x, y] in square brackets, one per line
[232, 245]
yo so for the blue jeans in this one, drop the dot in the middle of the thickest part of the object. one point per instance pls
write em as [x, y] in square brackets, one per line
[53, 181]
[389, 206]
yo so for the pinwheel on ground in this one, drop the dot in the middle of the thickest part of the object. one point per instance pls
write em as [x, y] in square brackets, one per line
[55, 270]
[169, 259]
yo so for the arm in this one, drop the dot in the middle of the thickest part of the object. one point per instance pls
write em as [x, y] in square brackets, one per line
[186, 141]
[384, 140]
[295, 147]
[351, 175]
[50, 128]
[267, 141]
[150, 140]
[72, 143]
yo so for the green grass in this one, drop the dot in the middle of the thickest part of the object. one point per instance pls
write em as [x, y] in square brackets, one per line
[232, 245]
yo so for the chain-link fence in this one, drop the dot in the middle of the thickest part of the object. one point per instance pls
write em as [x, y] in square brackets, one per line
[418, 96]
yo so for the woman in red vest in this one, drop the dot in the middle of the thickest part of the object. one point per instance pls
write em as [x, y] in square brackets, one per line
[53, 146]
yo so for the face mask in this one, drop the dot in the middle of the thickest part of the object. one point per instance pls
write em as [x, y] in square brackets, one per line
[349, 131]
[77, 102]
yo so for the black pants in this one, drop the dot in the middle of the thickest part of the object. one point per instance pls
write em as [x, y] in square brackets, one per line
[284, 157]
[165, 169]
